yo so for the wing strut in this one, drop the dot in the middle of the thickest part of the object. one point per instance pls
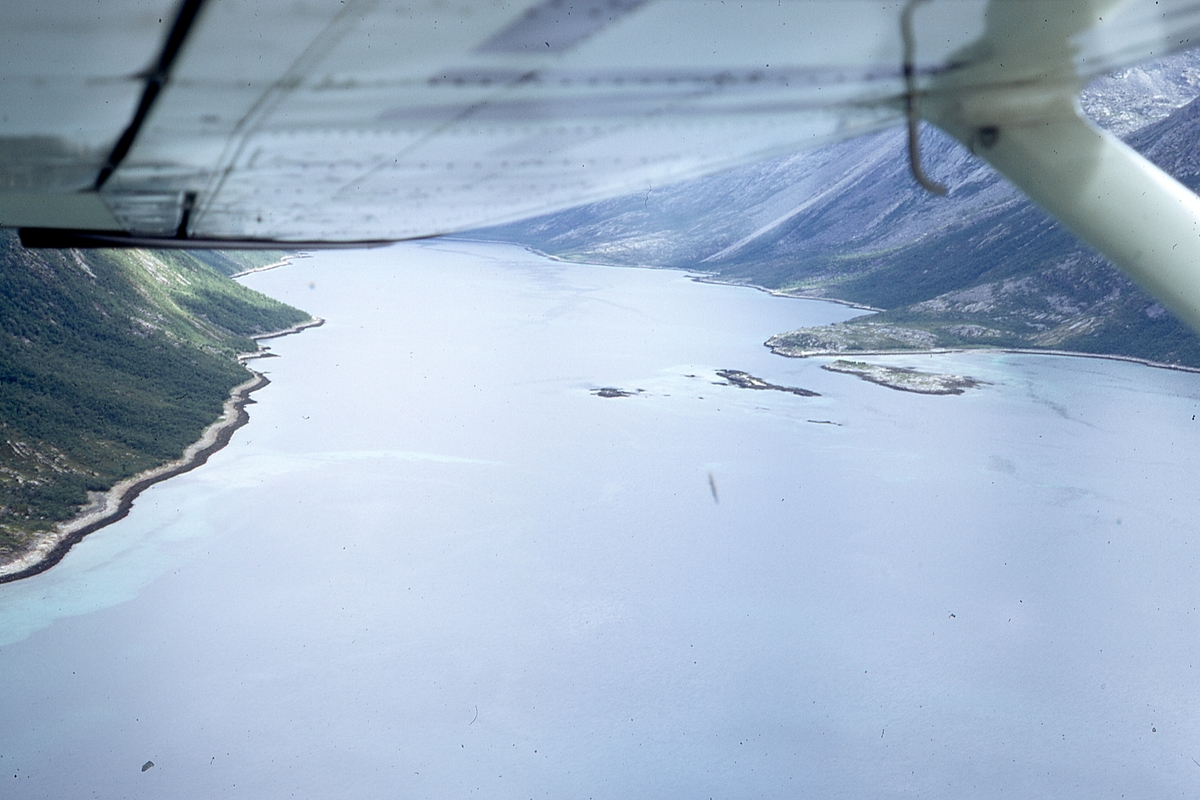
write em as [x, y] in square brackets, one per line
[1015, 103]
[913, 101]
[1136, 215]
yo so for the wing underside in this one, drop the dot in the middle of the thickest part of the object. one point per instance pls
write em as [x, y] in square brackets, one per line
[284, 121]
[217, 122]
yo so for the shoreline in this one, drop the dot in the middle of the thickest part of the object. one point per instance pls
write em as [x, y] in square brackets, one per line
[313, 322]
[699, 276]
[116, 503]
[1022, 351]
[283, 262]
[707, 277]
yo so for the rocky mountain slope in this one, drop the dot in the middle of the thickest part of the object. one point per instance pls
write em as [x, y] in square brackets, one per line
[980, 267]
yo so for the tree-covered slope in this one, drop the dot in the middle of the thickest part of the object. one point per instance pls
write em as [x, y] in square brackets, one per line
[111, 362]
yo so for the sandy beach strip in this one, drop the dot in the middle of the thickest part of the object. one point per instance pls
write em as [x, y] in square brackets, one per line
[314, 322]
[283, 262]
[115, 504]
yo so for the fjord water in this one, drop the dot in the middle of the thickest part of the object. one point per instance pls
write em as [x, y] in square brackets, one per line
[435, 564]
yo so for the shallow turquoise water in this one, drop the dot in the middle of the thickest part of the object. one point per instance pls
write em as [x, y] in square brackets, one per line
[436, 565]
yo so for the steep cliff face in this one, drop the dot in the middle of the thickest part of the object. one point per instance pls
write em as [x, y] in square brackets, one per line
[848, 222]
[111, 362]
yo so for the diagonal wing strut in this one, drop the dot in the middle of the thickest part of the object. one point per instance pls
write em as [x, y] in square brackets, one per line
[1017, 106]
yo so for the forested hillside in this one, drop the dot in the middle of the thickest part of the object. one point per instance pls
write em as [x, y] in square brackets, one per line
[112, 362]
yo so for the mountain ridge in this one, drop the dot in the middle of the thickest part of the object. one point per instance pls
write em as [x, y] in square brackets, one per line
[983, 267]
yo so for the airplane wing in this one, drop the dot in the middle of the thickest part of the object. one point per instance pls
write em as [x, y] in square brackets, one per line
[280, 121]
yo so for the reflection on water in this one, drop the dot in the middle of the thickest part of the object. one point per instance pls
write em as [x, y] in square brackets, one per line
[436, 563]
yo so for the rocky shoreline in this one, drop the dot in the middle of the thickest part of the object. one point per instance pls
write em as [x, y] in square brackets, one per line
[115, 504]
[904, 379]
[744, 380]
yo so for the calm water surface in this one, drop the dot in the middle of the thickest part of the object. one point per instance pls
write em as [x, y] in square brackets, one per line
[436, 565]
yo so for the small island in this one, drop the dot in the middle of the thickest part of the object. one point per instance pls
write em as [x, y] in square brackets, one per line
[745, 380]
[904, 379]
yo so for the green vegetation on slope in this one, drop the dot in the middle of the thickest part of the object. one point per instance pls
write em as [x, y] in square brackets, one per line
[111, 362]
[231, 263]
